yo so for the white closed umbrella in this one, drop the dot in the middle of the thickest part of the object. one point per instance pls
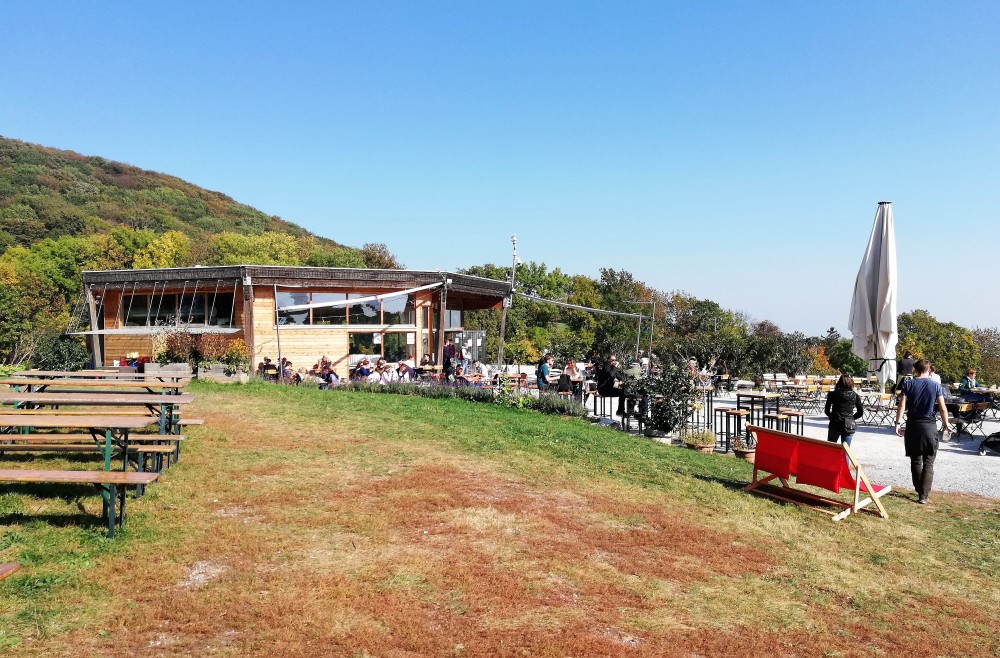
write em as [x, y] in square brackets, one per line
[873, 308]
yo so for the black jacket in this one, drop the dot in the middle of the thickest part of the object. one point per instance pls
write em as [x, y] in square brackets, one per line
[843, 404]
[606, 377]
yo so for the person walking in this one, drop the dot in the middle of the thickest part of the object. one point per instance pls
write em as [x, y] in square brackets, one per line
[843, 407]
[919, 398]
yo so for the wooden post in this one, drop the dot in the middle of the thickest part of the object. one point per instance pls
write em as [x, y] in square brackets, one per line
[95, 339]
[441, 324]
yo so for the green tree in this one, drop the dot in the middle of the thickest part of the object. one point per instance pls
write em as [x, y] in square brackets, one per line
[265, 249]
[951, 348]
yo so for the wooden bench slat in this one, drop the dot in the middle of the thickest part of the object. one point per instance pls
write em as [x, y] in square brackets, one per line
[83, 438]
[9, 569]
[78, 477]
[78, 447]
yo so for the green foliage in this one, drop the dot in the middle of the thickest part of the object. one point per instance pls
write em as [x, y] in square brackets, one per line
[951, 348]
[671, 391]
[264, 249]
[843, 359]
[59, 352]
[547, 404]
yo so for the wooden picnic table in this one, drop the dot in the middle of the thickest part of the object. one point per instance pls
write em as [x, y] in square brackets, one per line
[114, 428]
[40, 384]
[101, 374]
[163, 407]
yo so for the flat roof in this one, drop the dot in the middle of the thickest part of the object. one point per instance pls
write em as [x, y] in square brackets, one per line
[284, 275]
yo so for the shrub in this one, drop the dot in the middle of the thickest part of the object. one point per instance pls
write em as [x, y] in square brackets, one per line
[212, 347]
[671, 391]
[177, 347]
[59, 352]
[236, 357]
[548, 404]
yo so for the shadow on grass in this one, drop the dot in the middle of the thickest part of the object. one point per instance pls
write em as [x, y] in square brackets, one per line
[83, 520]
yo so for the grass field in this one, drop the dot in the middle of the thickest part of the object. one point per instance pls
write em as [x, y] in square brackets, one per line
[321, 523]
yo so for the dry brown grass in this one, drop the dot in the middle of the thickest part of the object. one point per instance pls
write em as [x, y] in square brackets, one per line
[289, 537]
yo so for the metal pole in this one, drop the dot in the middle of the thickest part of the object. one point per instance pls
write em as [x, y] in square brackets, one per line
[652, 324]
[277, 330]
[507, 302]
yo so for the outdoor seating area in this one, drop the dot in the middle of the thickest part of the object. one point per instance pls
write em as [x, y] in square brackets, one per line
[130, 424]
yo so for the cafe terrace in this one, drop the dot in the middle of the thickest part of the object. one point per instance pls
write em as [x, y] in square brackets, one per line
[306, 312]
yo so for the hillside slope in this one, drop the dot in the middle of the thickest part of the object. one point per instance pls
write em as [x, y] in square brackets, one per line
[49, 193]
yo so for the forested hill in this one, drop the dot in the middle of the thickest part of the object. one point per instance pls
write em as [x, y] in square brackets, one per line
[62, 212]
[51, 193]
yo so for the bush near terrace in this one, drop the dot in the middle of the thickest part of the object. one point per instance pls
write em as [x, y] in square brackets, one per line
[62, 212]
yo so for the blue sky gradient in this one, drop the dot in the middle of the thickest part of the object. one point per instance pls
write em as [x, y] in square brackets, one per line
[733, 150]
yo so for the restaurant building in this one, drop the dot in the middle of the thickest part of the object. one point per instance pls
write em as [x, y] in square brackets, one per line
[301, 313]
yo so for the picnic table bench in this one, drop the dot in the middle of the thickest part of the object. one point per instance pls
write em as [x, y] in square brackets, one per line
[112, 484]
[823, 464]
[8, 569]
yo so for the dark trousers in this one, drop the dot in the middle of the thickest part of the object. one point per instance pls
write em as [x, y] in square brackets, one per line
[922, 472]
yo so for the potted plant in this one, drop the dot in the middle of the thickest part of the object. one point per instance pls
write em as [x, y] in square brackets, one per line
[700, 440]
[743, 448]
[224, 360]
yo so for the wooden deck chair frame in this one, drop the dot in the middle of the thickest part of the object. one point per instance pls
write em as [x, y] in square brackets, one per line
[865, 493]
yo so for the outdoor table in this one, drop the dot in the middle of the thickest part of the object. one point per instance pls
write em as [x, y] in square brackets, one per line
[115, 429]
[39, 384]
[103, 375]
[163, 406]
[757, 404]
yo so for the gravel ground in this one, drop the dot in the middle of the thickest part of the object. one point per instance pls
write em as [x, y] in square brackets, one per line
[959, 467]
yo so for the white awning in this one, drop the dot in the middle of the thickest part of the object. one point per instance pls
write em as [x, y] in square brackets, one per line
[359, 300]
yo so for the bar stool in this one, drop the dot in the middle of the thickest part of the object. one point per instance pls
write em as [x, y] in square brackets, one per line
[798, 416]
[737, 418]
[718, 423]
[780, 422]
[597, 396]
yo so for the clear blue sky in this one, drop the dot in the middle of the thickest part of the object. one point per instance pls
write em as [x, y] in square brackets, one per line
[733, 150]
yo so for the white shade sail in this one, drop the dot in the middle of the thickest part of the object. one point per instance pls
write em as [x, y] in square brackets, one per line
[873, 308]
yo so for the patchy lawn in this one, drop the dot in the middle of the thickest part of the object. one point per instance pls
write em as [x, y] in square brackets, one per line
[312, 523]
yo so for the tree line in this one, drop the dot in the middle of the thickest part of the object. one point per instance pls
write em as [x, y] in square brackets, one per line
[685, 326]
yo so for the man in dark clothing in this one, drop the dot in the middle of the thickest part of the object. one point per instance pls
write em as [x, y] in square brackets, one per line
[904, 370]
[920, 396]
[606, 376]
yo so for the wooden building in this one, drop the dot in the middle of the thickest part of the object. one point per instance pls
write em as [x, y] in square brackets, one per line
[301, 312]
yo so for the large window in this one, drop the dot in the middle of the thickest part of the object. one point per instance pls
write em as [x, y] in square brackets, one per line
[195, 309]
[363, 344]
[368, 312]
[398, 310]
[329, 314]
[292, 299]
[396, 347]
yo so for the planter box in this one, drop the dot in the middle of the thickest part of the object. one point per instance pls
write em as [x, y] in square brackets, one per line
[173, 368]
[217, 373]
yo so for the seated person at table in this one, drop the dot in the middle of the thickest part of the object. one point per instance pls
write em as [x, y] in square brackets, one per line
[606, 377]
[327, 377]
[363, 371]
[574, 374]
[404, 373]
[542, 372]
[459, 378]
[479, 368]
[968, 383]
[426, 360]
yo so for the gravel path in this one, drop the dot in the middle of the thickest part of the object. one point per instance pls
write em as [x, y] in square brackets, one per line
[959, 467]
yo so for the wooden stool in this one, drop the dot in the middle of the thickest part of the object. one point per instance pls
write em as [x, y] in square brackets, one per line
[798, 416]
[597, 396]
[736, 417]
[780, 422]
[718, 423]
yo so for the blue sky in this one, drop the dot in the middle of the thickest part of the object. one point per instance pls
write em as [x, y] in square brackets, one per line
[733, 150]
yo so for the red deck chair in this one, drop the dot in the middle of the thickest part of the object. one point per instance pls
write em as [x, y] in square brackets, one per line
[814, 463]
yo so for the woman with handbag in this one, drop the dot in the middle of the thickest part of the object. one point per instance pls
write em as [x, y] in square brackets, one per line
[843, 408]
